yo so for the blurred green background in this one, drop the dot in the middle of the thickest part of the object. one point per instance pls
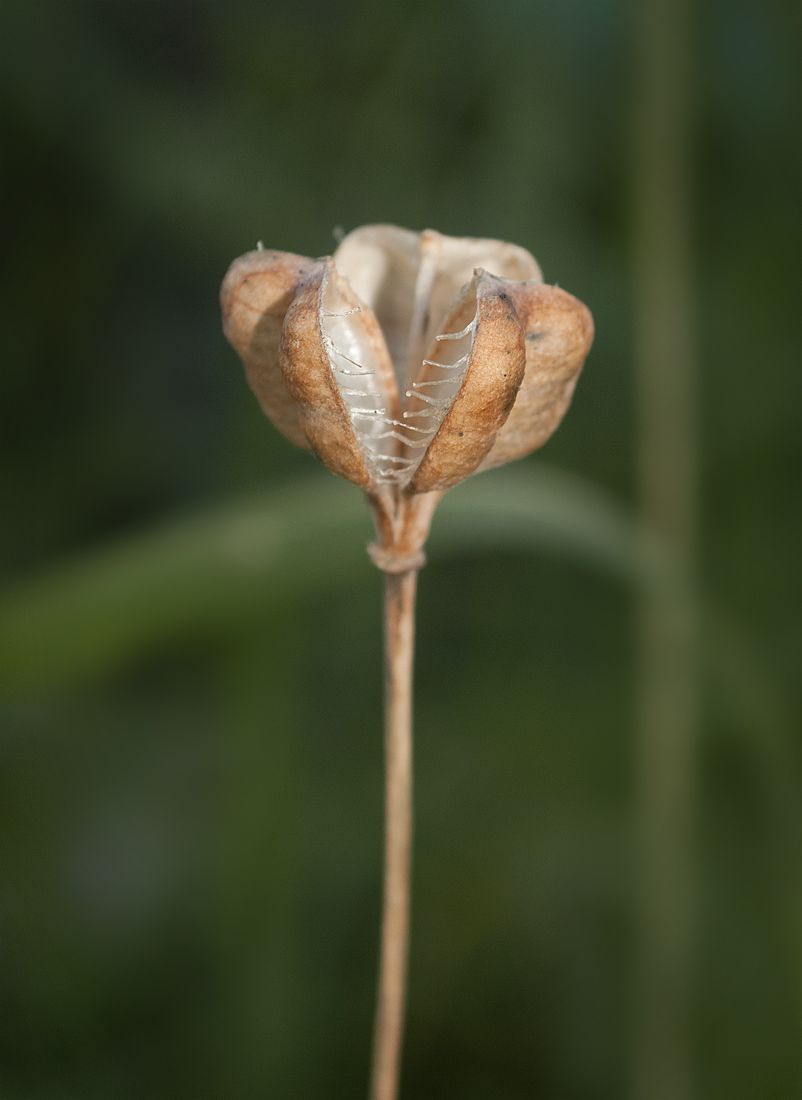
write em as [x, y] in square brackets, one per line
[190, 648]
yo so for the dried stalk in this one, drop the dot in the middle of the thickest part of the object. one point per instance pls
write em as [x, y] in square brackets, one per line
[484, 361]
[399, 638]
[668, 703]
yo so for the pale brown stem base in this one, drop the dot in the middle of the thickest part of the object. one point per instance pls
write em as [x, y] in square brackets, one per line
[399, 636]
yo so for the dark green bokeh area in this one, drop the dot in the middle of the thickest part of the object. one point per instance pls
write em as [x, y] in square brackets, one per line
[191, 774]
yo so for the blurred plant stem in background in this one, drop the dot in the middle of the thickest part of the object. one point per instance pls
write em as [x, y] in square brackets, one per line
[667, 699]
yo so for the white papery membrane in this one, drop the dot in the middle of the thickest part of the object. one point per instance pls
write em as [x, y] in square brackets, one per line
[393, 434]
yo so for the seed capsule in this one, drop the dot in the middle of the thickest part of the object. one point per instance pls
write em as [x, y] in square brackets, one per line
[407, 361]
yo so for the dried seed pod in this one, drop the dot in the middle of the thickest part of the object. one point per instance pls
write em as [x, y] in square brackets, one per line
[408, 361]
[336, 367]
[559, 333]
[257, 291]
[412, 281]
[479, 398]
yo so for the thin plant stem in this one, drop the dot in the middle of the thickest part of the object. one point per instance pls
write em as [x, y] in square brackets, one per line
[668, 700]
[399, 637]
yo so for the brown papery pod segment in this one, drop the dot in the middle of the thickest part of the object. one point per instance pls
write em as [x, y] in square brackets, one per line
[493, 374]
[307, 370]
[559, 333]
[255, 296]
